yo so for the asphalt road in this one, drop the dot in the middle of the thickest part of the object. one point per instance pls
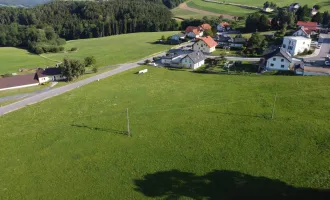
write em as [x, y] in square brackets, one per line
[324, 41]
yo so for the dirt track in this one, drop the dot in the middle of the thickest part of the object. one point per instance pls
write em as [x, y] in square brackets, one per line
[203, 12]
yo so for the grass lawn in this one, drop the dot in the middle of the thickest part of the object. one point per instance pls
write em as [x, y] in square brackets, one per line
[13, 59]
[115, 49]
[193, 135]
[186, 14]
[220, 8]
[323, 3]
[224, 52]
[237, 11]
[21, 90]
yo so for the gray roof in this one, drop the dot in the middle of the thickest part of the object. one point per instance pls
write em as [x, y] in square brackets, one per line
[196, 56]
[279, 52]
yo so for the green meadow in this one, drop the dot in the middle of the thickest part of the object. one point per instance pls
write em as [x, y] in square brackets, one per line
[114, 49]
[193, 135]
[13, 59]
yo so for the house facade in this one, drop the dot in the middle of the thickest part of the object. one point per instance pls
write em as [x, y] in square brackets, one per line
[278, 60]
[296, 44]
[301, 32]
[193, 60]
[205, 44]
[49, 74]
[294, 7]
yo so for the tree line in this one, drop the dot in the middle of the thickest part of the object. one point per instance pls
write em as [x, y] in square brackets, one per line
[81, 19]
[285, 18]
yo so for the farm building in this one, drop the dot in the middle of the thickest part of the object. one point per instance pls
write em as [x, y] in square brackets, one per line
[49, 74]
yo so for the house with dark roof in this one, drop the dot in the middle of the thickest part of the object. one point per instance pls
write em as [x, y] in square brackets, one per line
[278, 60]
[205, 44]
[193, 60]
[294, 7]
[41, 76]
[18, 81]
[49, 74]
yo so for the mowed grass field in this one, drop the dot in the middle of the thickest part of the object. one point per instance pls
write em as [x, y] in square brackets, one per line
[13, 59]
[237, 11]
[186, 14]
[193, 135]
[115, 49]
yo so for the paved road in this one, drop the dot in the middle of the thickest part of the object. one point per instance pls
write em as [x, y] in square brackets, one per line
[324, 40]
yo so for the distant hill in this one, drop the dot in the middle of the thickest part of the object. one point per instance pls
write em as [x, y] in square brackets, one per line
[25, 3]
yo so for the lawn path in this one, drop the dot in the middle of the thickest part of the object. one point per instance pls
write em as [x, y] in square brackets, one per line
[203, 12]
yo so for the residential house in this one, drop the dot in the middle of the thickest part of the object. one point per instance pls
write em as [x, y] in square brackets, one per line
[193, 60]
[205, 27]
[294, 7]
[177, 38]
[312, 26]
[194, 32]
[18, 81]
[314, 11]
[237, 42]
[49, 74]
[205, 44]
[302, 32]
[296, 44]
[278, 60]
[223, 26]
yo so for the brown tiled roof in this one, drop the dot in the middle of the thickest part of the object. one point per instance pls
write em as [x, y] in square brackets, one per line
[209, 41]
[18, 80]
[224, 24]
[309, 25]
[206, 26]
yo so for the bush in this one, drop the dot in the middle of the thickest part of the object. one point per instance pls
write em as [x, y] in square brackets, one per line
[61, 48]
[7, 75]
[147, 62]
[74, 49]
[60, 41]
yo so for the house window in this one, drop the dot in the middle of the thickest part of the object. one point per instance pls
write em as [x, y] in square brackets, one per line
[274, 59]
[282, 66]
[284, 46]
[304, 43]
[282, 60]
[272, 64]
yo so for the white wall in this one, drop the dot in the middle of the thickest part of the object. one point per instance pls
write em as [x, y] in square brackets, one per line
[21, 86]
[51, 78]
[201, 46]
[295, 46]
[277, 63]
[187, 63]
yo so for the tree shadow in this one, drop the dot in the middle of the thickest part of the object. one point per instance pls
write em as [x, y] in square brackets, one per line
[100, 129]
[222, 185]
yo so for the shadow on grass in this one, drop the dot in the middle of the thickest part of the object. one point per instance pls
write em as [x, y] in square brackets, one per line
[222, 185]
[100, 129]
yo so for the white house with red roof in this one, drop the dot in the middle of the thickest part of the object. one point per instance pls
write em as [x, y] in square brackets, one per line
[194, 32]
[205, 44]
[305, 32]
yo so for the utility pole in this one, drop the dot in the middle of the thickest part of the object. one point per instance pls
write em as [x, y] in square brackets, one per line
[274, 106]
[128, 131]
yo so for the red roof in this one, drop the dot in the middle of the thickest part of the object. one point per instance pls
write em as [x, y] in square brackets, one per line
[193, 29]
[309, 25]
[209, 41]
[224, 24]
[206, 26]
[18, 80]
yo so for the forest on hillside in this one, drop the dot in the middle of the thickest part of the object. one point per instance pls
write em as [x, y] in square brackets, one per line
[40, 28]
